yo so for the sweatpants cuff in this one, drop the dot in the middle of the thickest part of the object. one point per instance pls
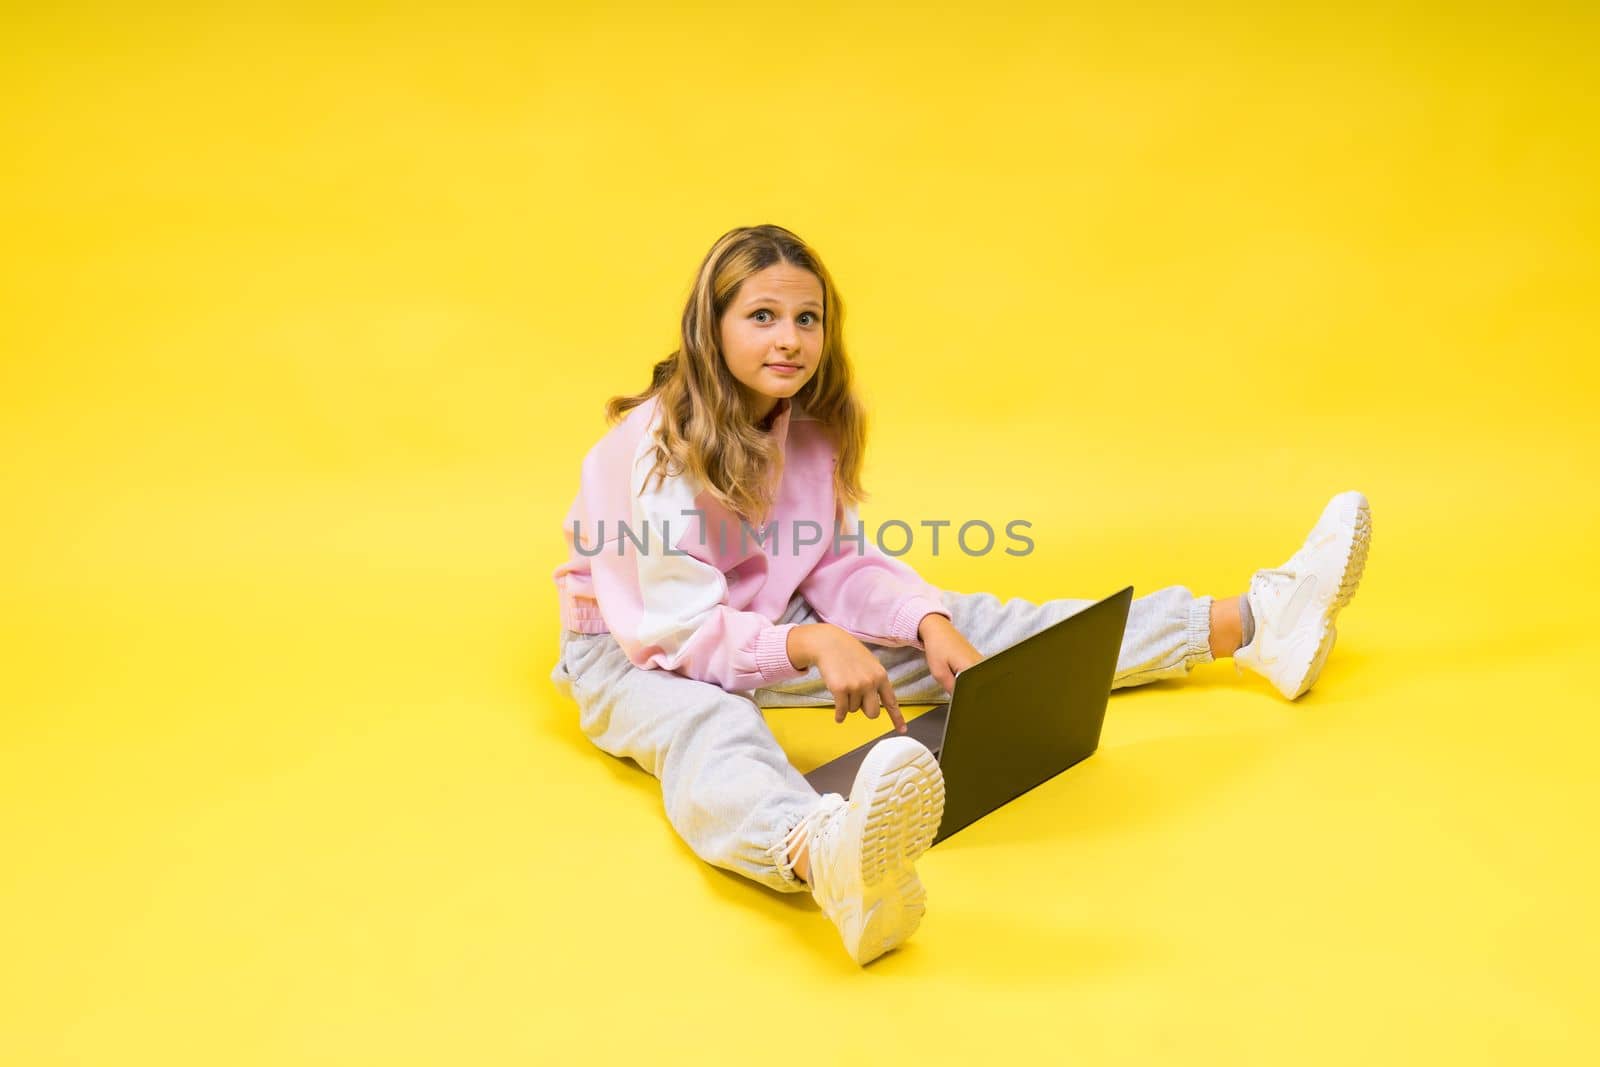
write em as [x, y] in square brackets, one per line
[1197, 634]
[778, 855]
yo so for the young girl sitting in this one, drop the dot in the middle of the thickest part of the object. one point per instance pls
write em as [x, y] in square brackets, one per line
[717, 565]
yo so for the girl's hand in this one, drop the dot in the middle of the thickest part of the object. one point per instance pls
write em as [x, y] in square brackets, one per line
[948, 652]
[849, 669]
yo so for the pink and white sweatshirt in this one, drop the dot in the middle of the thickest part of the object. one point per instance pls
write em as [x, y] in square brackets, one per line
[683, 585]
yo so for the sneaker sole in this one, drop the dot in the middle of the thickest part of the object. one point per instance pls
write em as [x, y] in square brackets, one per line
[902, 816]
[1355, 563]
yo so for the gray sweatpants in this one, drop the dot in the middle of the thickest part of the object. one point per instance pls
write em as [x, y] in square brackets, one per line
[730, 791]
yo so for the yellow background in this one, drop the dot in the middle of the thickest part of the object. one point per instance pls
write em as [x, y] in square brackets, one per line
[308, 318]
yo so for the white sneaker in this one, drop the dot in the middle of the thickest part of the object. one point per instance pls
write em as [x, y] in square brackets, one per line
[1294, 605]
[862, 852]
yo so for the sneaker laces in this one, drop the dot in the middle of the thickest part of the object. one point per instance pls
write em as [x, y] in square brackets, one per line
[813, 825]
[1266, 586]
[1274, 583]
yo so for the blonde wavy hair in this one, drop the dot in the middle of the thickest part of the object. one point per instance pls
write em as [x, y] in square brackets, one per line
[706, 429]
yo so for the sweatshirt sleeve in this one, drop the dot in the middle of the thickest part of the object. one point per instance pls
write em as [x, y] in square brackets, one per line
[859, 588]
[669, 610]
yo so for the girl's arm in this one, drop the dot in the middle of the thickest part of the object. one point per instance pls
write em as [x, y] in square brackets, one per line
[868, 593]
[674, 615]
[670, 611]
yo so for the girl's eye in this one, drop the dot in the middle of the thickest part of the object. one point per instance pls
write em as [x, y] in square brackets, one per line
[811, 316]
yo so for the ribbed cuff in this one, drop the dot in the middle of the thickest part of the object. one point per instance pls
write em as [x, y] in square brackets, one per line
[772, 654]
[581, 615]
[910, 616]
[1197, 633]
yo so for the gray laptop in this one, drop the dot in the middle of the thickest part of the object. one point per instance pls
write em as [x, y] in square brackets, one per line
[1016, 719]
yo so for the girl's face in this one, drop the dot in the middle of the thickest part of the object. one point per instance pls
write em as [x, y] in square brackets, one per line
[772, 335]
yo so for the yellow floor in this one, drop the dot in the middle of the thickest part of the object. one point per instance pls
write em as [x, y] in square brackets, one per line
[308, 319]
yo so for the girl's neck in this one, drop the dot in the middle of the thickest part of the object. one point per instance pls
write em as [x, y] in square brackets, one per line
[774, 408]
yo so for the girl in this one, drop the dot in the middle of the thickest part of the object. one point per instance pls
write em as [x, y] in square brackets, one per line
[717, 564]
